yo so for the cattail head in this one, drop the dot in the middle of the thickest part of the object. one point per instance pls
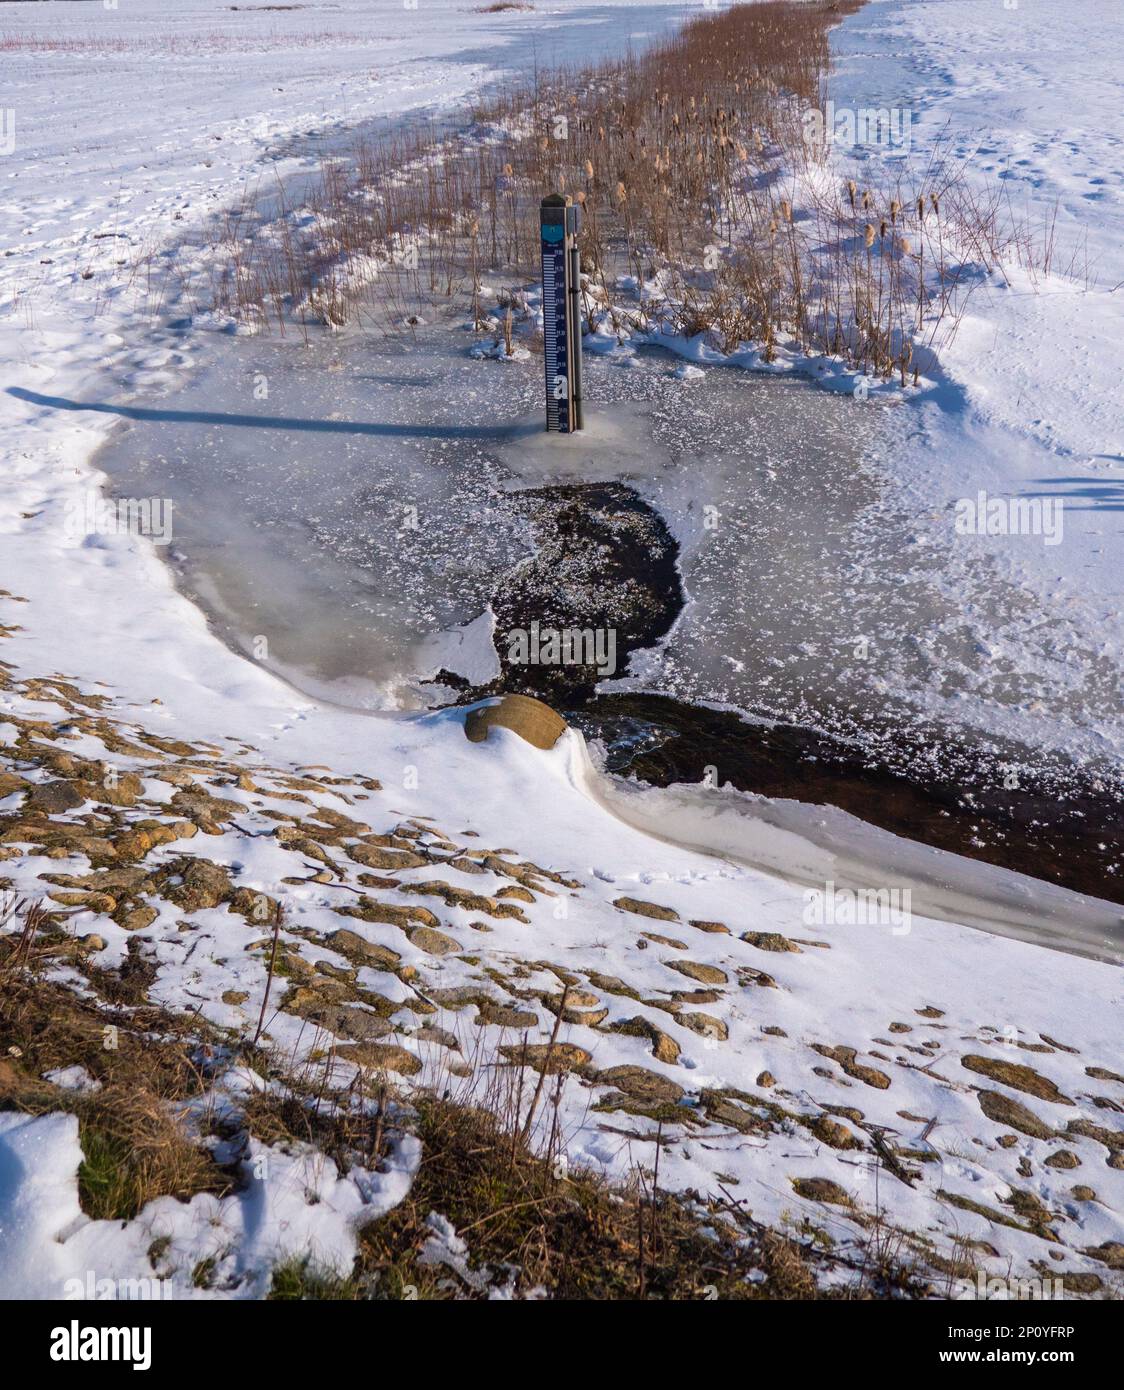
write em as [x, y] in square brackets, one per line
[508, 171]
[589, 168]
[579, 197]
[622, 193]
[865, 199]
[882, 227]
[921, 208]
[904, 246]
[868, 235]
[895, 208]
[936, 204]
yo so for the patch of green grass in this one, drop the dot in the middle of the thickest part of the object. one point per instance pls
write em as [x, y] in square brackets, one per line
[298, 1280]
[105, 1189]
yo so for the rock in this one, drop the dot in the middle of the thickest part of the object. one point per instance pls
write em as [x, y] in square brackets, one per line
[1064, 1158]
[489, 1013]
[531, 719]
[668, 941]
[135, 918]
[540, 1056]
[679, 997]
[381, 1057]
[452, 896]
[611, 984]
[664, 1048]
[822, 1190]
[645, 909]
[769, 941]
[368, 910]
[1005, 1111]
[696, 970]
[125, 789]
[1103, 1074]
[1084, 1194]
[513, 890]
[706, 1025]
[1017, 1076]
[901, 1027]
[723, 1108]
[641, 1084]
[833, 1134]
[11, 782]
[135, 843]
[199, 806]
[434, 943]
[719, 927]
[258, 908]
[470, 866]
[92, 902]
[845, 1057]
[1112, 1139]
[53, 798]
[766, 1080]
[375, 858]
[441, 1036]
[203, 885]
[362, 952]
[1110, 1252]
[581, 1007]
[349, 1021]
[460, 997]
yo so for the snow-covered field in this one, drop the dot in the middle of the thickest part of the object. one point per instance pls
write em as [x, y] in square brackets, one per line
[129, 124]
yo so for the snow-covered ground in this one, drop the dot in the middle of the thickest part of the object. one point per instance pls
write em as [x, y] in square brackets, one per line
[120, 138]
[1029, 405]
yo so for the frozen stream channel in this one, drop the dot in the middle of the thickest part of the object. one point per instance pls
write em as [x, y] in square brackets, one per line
[350, 502]
[348, 508]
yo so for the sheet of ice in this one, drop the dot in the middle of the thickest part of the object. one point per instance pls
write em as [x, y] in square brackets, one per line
[818, 845]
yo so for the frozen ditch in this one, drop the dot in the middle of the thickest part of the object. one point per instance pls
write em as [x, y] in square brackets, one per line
[357, 502]
[371, 517]
[365, 516]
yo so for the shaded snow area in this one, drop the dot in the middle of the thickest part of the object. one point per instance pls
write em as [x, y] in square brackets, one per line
[731, 979]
